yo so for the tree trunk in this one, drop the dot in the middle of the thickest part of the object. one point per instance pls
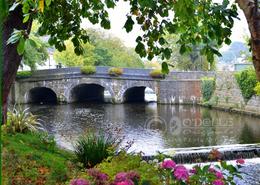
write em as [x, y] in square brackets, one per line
[251, 11]
[12, 59]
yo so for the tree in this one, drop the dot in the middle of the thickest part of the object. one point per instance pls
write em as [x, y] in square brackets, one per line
[101, 50]
[192, 61]
[36, 51]
[61, 20]
[70, 59]
[35, 54]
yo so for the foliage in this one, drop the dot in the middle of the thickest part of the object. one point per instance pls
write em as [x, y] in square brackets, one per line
[70, 59]
[247, 81]
[115, 71]
[257, 89]
[92, 148]
[207, 87]
[35, 54]
[28, 160]
[213, 22]
[131, 169]
[21, 120]
[101, 50]
[88, 70]
[130, 162]
[23, 74]
[157, 73]
[191, 61]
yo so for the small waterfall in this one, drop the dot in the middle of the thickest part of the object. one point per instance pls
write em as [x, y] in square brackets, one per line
[201, 154]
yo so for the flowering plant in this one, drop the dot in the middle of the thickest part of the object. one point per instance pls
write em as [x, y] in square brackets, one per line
[219, 173]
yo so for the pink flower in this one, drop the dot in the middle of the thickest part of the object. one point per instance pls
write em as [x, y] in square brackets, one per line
[168, 164]
[126, 182]
[219, 175]
[121, 176]
[218, 182]
[181, 173]
[96, 174]
[212, 170]
[240, 161]
[193, 170]
[79, 182]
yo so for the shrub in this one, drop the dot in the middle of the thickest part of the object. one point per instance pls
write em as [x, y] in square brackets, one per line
[88, 70]
[21, 120]
[91, 148]
[115, 71]
[257, 89]
[247, 81]
[157, 73]
[128, 163]
[207, 87]
[24, 74]
[130, 169]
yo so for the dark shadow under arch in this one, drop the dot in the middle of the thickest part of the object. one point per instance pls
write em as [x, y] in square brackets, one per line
[42, 95]
[87, 93]
[135, 94]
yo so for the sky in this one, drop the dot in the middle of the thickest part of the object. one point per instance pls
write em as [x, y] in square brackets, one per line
[118, 18]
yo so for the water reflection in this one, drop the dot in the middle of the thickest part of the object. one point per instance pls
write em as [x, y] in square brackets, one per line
[151, 126]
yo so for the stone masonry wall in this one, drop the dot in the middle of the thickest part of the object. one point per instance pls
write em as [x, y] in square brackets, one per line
[228, 95]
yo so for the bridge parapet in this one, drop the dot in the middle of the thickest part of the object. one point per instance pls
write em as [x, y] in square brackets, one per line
[102, 72]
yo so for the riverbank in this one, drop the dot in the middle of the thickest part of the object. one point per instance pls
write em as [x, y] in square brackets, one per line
[228, 96]
[34, 159]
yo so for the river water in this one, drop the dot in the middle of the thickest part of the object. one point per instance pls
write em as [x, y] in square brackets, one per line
[150, 126]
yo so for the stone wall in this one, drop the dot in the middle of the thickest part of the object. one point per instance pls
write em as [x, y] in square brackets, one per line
[228, 95]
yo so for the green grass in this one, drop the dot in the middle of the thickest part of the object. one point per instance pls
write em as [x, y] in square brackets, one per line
[88, 70]
[23, 74]
[28, 159]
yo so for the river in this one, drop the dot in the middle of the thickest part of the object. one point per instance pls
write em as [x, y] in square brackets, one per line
[150, 126]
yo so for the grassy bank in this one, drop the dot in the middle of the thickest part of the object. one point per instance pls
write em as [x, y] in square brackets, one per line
[34, 159]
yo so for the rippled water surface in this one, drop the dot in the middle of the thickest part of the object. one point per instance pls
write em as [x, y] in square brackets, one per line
[151, 126]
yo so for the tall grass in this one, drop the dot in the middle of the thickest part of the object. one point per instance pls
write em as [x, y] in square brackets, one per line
[92, 148]
[21, 120]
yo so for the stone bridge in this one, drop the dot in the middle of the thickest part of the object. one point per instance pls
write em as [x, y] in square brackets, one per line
[68, 85]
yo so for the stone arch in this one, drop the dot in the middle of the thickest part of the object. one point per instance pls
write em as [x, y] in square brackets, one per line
[41, 95]
[85, 92]
[136, 92]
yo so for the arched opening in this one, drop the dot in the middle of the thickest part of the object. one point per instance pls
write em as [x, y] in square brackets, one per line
[140, 94]
[42, 95]
[87, 93]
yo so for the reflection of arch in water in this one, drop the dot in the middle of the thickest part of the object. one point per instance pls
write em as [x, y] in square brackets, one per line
[41, 95]
[139, 94]
[87, 92]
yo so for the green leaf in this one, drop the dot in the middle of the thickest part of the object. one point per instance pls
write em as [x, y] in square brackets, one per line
[140, 49]
[165, 68]
[129, 24]
[20, 46]
[14, 6]
[32, 43]
[105, 23]
[162, 41]
[183, 49]
[26, 18]
[48, 2]
[15, 37]
[227, 41]
[167, 53]
[110, 3]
